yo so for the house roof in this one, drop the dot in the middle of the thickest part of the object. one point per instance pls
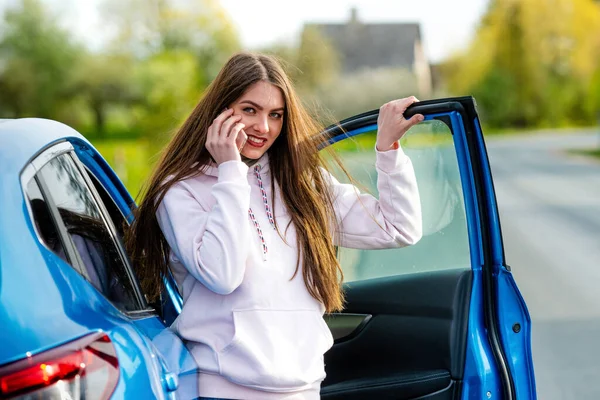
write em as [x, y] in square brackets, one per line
[363, 45]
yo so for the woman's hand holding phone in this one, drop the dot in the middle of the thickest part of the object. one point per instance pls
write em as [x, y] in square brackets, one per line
[226, 138]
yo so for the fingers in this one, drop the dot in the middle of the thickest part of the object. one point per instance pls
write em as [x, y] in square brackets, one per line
[405, 102]
[403, 105]
[392, 124]
[218, 122]
[215, 128]
[221, 128]
[228, 125]
[222, 136]
[411, 99]
[229, 132]
[415, 119]
[398, 106]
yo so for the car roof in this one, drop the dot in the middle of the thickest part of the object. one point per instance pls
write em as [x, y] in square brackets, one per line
[21, 139]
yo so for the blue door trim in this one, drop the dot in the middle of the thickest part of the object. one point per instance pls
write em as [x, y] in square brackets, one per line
[481, 376]
[514, 319]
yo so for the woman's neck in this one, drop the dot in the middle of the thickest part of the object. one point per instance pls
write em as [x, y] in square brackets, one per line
[249, 161]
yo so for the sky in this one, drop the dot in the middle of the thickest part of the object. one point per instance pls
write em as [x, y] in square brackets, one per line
[446, 25]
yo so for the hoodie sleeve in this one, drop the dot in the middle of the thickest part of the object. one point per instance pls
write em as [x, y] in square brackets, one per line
[392, 221]
[211, 244]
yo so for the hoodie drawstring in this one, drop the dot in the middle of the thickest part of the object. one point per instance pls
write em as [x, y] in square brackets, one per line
[257, 169]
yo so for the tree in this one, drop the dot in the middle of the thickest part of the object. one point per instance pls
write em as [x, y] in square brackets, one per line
[36, 57]
[178, 47]
[102, 81]
[168, 83]
[148, 27]
[314, 68]
[312, 64]
[531, 62]
[318, 61]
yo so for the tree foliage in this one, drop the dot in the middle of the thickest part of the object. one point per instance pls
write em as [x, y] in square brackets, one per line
[36, 58]
[532, 63]
[146, 77]
[102, 81]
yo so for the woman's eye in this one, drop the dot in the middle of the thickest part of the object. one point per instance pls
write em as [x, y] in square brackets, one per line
[249, 110]
[276, 115]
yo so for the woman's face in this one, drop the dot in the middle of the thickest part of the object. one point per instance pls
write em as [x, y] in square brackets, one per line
[261, 108]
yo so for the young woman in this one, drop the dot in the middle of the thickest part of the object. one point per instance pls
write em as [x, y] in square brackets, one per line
[242, 211]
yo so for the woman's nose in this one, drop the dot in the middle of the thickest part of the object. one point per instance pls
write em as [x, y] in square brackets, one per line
[262, 125]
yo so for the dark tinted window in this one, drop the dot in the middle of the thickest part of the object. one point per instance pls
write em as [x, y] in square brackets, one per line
[115, 214]
[102, 261]
[44, 223]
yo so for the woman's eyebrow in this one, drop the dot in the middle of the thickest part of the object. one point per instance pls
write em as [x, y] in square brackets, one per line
[259, 106]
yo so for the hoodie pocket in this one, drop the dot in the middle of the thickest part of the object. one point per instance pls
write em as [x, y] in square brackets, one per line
[276, 351]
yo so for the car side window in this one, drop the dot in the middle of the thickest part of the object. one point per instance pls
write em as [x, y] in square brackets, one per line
[102, 262]
[115, 214]
[120, 223]
[445, 242]
[44, 222]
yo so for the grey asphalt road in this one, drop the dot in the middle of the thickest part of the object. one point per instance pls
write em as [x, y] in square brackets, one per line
[550, 214]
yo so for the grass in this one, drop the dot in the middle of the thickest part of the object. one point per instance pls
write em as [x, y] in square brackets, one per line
[595, 153]
[487, 131]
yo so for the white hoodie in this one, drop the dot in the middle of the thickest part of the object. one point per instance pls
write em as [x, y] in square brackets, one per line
[255, 332]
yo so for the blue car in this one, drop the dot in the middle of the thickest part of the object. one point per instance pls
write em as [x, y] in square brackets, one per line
[440, 320]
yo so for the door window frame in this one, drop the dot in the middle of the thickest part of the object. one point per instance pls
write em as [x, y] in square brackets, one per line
[31, 171]
[460, 113]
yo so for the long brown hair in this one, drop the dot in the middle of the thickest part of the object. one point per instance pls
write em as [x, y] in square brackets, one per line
[295, 167]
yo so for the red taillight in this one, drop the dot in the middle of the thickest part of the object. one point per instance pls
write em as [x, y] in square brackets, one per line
[88, 366]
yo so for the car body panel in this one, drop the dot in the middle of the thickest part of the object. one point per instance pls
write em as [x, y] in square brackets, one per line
[44, 302]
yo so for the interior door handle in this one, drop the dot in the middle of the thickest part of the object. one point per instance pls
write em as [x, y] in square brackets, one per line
[344, 326]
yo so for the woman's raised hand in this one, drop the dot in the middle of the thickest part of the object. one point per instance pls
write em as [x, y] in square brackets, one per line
[391, 124]
[226, 137]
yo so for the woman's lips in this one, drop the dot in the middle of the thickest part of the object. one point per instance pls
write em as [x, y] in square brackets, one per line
[255, 142]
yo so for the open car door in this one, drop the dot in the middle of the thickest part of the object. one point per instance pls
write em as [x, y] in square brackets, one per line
[442, 319]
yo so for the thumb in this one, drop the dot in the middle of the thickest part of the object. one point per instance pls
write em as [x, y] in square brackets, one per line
[415, 119]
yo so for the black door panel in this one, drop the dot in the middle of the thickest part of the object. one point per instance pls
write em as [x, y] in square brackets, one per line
[430, 385]
[412, 346]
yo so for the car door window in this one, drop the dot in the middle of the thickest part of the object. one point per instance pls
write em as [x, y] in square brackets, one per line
[45, 225]
[102, 262]
[445, 242]
[114, 213]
